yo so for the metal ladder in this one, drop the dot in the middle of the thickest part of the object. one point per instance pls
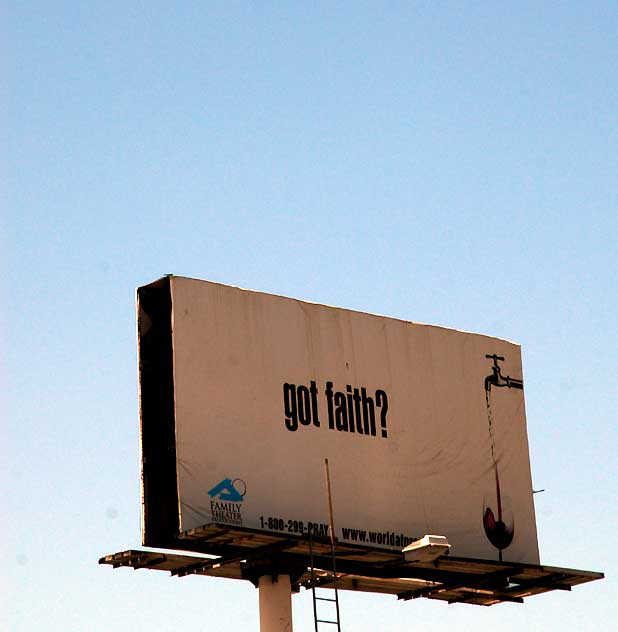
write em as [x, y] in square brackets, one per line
[315, 585]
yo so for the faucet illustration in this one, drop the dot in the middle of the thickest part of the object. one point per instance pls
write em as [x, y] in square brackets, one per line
[497, 379]
[499, 528]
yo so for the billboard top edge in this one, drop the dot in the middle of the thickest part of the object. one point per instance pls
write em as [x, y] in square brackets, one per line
[173, 277]
[156, 283]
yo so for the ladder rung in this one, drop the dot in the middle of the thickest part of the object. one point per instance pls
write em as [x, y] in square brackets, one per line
[325, 599]
[325, 621]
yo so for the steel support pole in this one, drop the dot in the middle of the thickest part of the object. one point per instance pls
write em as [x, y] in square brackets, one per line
[275, 594]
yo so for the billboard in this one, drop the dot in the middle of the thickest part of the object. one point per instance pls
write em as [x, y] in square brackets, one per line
[243, 395]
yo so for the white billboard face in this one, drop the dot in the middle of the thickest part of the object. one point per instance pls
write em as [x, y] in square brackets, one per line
[424, 433]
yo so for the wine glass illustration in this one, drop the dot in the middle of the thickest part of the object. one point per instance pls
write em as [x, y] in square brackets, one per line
[499, 522]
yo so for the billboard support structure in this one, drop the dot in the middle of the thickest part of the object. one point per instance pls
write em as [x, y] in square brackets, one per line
[274, 573]
[275, 596]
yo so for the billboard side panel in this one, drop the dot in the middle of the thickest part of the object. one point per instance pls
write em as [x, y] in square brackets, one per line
[157, 427]
[418, 440]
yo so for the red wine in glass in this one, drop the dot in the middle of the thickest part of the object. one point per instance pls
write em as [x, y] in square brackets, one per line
[499, 523]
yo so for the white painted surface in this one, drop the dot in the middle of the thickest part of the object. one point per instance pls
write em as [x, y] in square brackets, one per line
[433, 472]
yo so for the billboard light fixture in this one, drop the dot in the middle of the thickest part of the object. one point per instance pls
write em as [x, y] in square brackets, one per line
[427, 549]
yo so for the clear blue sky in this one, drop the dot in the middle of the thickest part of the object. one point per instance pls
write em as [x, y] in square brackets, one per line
[450, 163]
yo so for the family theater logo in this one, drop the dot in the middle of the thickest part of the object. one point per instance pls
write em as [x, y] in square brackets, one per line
[226, 500]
